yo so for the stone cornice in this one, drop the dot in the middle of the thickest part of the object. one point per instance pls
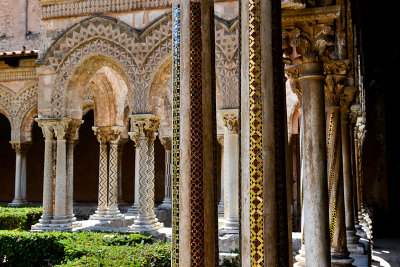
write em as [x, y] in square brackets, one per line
[325, 15]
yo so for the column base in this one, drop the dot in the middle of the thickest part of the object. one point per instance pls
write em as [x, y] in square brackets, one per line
[340, 259]
[146, 224]
[107, 215]
[301, 257]
[133, 211]
[353, 246]
[166, 204]
[55, 225]
[18, 203]
[230, 227]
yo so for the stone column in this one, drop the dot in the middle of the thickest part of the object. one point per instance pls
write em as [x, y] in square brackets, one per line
[352, 239]
[134, 209]
[264, 205]
[120, 152]
[70, 179]
[108, 137]
[230, 117]
[334, 85]
[143, 131]
[221, 204]
[20, 173]
[57, 182]
[167, 202]
[315, 203]
[194, 135]
[48, 175]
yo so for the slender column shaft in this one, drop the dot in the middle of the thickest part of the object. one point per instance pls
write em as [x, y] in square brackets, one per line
[48, 177]
[103, 187]
[137, 178]
[23, 177]
[194, 135]
[113, 177]
[143, 209]
[221, 204]
[120, 152]
[231, 170]
[316, 230]
[18, 165]
[150, 177]
[348, 184]
[70, 179]
[61, 179]
[356, 154]
[167, 202]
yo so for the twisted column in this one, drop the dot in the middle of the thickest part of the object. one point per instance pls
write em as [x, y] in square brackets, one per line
[230, 117]
[143, 131]
[108, 137]
[20, 173]
[167, 202]
[334, 89]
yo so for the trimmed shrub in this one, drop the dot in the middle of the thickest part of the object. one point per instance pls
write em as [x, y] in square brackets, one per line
[18, 218]
[20, 248]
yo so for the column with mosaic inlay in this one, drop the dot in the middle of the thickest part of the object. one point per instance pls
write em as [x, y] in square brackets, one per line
[195, 232]
[264, 204]
[143, 127]
[20, 173]
[352, 239]
[230, 117]
[108, 137]
[334, 87]
[167, 202]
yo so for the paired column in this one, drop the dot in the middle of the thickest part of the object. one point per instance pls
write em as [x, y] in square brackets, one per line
[230, 117]
[108, 137]
[334, 89]
[121, 146]
[195, 230]
[21, 149]
[143, 133]
[167, 202]
[263, 133]
[58, 174]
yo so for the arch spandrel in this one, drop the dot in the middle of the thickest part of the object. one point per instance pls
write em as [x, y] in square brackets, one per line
[138, 53]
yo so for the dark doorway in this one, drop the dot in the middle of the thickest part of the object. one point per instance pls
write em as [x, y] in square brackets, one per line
[7, 162]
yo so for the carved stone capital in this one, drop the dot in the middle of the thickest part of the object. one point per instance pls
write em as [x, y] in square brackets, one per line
[339, 67]
[66, 128]
[107, 134]
[47, 126]
[166, 142]
[20, 147]
[220, 139]
[293, 4]
[293, 74]
[345, 101]
[334, 88]
[230, 117]
[143, 125]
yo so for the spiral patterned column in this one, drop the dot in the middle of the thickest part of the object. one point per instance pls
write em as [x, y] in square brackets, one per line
[339, 253]
[113, 178]
[143, 132]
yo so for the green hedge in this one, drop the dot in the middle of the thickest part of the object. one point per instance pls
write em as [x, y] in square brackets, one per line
[20, 248]
[18, 218]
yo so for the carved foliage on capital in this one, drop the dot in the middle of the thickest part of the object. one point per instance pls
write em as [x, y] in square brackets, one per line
[143, 126]
[230, 117]
[20, 147]
[293, 74]
[166, 142]
[334, 87]
[311, 38]
[355, 111]
[59, 128]
[106, 134]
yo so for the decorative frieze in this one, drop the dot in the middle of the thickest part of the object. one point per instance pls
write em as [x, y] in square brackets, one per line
[19, 74]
